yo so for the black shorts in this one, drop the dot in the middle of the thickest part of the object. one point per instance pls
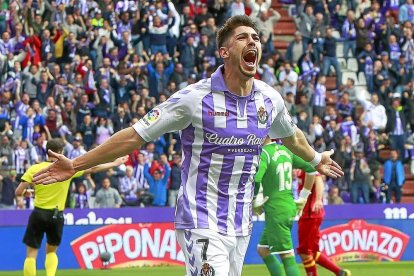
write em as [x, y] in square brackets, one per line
[43, 221]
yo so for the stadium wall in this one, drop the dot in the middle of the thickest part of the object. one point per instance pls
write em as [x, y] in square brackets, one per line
[146, 236]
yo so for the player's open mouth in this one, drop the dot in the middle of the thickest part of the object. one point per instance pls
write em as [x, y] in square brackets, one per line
[250, 58]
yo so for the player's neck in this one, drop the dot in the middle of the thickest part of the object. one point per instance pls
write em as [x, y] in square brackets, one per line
[239, 85]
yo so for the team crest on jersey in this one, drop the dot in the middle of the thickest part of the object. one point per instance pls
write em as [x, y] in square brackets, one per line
[151, 116]
[262, 115]
[207, 270]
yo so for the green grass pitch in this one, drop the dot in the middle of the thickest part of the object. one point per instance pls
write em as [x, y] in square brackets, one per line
[357, 269]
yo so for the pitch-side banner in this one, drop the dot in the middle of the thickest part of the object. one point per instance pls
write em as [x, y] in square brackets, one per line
[137, 237]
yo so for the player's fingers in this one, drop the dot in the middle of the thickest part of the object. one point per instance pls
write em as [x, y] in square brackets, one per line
[334, 175]
[40, 176]
[336, 167]
[337, 172]
[54, 154]
[45, 178]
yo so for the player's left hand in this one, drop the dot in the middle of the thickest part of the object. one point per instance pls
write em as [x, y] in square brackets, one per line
[258, 205]
[60, 170]
[300, 204]
[329, 167]
[317, 206]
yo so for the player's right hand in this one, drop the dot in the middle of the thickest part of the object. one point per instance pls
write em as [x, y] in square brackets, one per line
[60, 170]
[258, 205]
[300, 204]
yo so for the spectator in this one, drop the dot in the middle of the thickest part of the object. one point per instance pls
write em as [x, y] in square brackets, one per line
[374, 113]
[396, 124]
[296, 49]
[394, 177]
[128, 187]
[332, 136]
[360, 176]
[188, 56]
[329, 59]
[237, 8]
[77, 149]
[121, 119]
[158, 184]
[306, 21]
[406, 12]
[288, 79]
[344, 107]
[82, 197]
[349, 88]
[175, 181]
[334, 198]
[319, 97]
[9, 185]
[366, 60]
[107, 197]
[103, 131]
[266, 22]
[349, 34]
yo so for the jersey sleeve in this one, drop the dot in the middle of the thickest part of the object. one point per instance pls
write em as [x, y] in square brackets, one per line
[299, 163]
[264, 162]
[78, 174]
[283, 125]
[172, 115]
[28, 175]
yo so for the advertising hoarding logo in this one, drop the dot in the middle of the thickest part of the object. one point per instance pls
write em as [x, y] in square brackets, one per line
[361, 241]
[129, 245]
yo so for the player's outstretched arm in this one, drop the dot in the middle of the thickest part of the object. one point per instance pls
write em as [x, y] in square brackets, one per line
[119, 144]
[103, 167]
[323, 163]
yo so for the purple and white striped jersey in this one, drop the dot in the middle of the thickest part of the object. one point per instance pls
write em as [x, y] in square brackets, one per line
[222, 136]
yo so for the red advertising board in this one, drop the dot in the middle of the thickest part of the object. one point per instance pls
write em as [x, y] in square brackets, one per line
[360, 241]
[129, 245]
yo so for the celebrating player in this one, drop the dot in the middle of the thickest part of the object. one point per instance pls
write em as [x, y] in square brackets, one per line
[309, 235]
[275, 174]
[224, 121]
[47, 216]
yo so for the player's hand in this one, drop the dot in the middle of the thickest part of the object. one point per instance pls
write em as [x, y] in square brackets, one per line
[121, 160]
[62, 169]
[329, 167]
[300, 204]
[258, 205]
[317, 206]
[28, 192]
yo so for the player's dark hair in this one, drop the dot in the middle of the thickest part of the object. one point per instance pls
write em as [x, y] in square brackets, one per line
[55, 145]
[227, 30]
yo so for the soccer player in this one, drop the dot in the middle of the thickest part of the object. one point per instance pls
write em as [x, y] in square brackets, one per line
[47, 216]
[275, 174]
[309, 235]
[224, 121]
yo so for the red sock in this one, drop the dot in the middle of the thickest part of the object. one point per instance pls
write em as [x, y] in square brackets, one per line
[324, 261]
[310, 267]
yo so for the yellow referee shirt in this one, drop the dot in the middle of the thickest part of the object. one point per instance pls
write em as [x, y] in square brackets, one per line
[52, 195]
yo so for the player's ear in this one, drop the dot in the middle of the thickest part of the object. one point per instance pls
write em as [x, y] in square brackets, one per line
[224, 52]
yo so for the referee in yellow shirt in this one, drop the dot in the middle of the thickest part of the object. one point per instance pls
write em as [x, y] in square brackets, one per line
[47, 216]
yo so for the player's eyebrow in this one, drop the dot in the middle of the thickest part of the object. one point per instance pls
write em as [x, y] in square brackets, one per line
[246, 34]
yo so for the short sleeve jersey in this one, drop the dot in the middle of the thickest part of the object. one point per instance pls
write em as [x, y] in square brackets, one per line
[275, 175]
[222, 135]
[52, 195]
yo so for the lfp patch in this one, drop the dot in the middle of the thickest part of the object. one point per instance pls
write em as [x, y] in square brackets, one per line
[151, 116]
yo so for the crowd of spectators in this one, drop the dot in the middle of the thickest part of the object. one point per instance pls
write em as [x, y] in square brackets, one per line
[84, 69]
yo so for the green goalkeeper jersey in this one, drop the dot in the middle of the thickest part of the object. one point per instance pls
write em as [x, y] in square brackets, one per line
[275, 174]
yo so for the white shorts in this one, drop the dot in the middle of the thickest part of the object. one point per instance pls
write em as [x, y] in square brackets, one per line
[209, 253]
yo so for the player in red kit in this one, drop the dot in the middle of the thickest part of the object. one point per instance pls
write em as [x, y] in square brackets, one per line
[309, 224]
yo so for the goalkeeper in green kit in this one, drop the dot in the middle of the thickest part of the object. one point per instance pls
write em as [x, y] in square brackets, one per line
[275, 174]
